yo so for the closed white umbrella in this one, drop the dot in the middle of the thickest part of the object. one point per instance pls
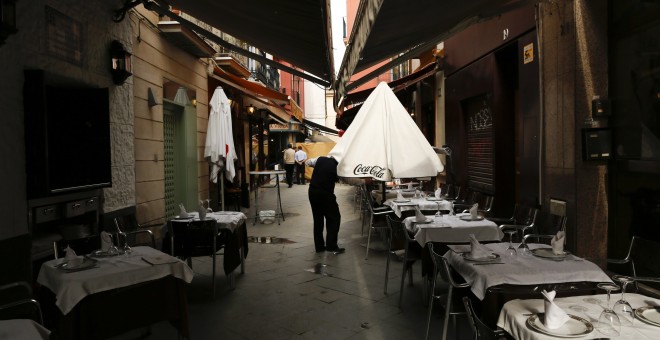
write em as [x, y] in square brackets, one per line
[384, 142]
[219, 148]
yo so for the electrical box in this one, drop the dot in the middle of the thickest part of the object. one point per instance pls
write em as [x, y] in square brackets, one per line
[596, 144]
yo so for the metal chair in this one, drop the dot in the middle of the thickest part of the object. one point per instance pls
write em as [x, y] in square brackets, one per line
[441, 266]
[197, 238]
[398, 230]
[524, 219]
[480, 329]
[374, 211]
[641, 261]
[132, 237]
[16, 302]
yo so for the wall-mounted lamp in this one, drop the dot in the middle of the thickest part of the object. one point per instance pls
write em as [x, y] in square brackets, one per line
[151, 100]
[7, 19]
[250, 109]
[194, 102]
[121, 65]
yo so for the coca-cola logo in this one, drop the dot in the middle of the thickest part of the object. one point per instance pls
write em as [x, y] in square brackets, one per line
[371, 170]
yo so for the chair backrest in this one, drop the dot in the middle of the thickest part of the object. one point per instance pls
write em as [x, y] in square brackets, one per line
[16, 302]
[644, 254]
[399, 232]
[195, 238]
[441, 266]
[482, 331]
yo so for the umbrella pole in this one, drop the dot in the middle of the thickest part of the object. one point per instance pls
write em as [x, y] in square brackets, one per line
[383, 185]
[221, 179]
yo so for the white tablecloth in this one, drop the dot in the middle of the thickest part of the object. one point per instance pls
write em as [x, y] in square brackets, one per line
[225, 219]
[523, 270]
[513, 320]
[390, 193]
[23, 329]
[422, 203]
[112, 272]
[453, 229]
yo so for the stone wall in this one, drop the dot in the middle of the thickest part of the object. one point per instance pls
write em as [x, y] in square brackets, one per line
[28, 49]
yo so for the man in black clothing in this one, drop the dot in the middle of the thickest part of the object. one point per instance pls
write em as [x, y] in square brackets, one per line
[325, 209]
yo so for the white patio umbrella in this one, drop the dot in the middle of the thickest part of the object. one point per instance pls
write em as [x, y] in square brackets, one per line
[219, 148]
[383, 142]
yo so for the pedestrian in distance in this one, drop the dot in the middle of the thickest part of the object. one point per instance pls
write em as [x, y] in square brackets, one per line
[301, 158]
[289, 163]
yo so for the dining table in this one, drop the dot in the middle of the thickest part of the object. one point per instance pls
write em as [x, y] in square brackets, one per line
[23, 329]
[501, 278]
[279, 213]
[522, 318]
[104, 295]
[422, 203]
[452, 228]
[232, 224]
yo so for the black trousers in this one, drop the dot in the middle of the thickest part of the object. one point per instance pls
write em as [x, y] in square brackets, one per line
[289, 173]
[300, 168]
[325, 211]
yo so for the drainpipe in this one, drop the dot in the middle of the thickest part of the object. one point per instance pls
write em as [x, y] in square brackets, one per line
[539, 25]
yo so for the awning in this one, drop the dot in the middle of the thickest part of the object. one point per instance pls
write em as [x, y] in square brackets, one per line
[295, 31]
[320, 127]
[254, 89]
[378, 33]
[185, 39]
[396, 85]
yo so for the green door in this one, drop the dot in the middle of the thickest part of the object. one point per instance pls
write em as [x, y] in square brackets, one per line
[180, 145]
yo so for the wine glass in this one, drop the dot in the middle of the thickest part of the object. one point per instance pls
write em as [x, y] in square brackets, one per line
[126, 249]
[608, 322]
[622, 307]
[524, 248]
[438, 215]
[511, 250]
[208, 205]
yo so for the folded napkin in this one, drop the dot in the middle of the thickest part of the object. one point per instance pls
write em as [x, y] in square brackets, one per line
[202, 211]
[474, 210]
[183, 213]
[438, 193]
[399, 196]
[478, 250]
[557, 243]
[71, 258]
[410, 186]
[106, 242]
[554, 317]
[419, 217]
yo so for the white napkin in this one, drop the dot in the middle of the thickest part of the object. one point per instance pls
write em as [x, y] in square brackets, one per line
[555, 317]
[106, 242]
[557, 243]
[419, 217]
[474, 211]
[202, 211]
[183, 213]
[399, 197]
[478, 250]
[71, 258]
[410, 186]
[438, 193]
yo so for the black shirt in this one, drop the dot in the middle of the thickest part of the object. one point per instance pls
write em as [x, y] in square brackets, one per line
[324, 175]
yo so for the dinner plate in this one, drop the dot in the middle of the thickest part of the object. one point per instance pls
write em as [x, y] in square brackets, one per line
[101, 253]
[547, 253]
[649, 314]
[575, 327]
[491, 257]
[87, 263]
[402, 201]
[428, 220]
[469, 218]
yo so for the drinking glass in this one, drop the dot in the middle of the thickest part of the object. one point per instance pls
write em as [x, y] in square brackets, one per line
[208, 205]
[524, 249]
[438, 216]
[126, 249]
[608, 322]
[511, 250]
[622, 307]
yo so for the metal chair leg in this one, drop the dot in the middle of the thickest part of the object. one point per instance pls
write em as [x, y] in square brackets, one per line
[447, 312]
[387, 266]
[369, 237]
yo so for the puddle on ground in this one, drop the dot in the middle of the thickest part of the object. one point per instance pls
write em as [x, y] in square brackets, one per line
[268, 239]
[319, 268]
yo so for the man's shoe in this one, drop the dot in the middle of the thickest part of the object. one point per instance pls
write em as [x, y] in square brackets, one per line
[337, 250]
[320, 250]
